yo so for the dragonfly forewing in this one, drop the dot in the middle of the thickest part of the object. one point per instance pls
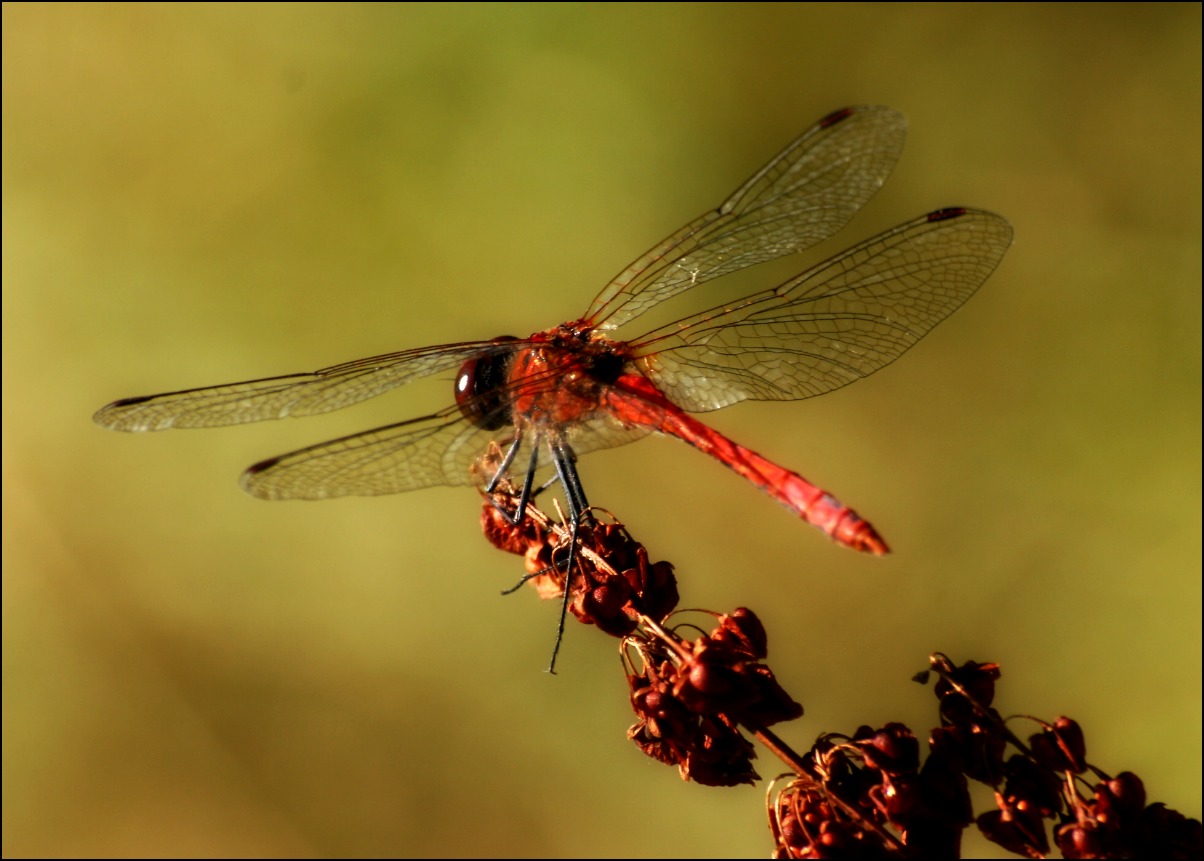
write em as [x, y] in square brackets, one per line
[802, 196]
[294, 395]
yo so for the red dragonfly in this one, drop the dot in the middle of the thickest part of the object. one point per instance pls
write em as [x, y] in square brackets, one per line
[573, 388]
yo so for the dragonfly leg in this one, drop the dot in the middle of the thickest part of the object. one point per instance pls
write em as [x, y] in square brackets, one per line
[504, 466]
[524, 495]
[574, 496]
[566, 471]
[565, 462]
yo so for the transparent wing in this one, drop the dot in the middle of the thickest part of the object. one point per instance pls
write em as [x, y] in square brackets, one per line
[439, 449]
[833, 324]
[802, 196]
[292, 395]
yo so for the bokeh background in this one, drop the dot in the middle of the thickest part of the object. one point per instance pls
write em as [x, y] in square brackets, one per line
[195, 195]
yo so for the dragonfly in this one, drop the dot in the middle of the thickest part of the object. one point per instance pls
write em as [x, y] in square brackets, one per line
[545, 399]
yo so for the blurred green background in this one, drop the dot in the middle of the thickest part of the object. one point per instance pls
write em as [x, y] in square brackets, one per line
[195, 195]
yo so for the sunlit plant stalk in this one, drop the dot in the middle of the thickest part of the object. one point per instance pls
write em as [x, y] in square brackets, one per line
[864, 794]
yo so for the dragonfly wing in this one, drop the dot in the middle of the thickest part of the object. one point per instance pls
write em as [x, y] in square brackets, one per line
[604, 430]
[439, 449]
[802, 196]
[833, 324]
[293, 395]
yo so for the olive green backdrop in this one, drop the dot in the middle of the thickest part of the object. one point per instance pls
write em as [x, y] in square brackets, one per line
[195, 195]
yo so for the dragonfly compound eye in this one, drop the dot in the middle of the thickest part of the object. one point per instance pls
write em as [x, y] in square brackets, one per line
[481, 387]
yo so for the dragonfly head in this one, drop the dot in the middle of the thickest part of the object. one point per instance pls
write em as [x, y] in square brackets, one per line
[480, 387]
